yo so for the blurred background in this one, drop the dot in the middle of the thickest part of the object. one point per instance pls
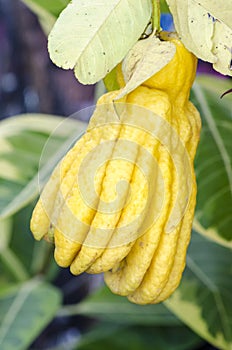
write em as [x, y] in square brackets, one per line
[29, 82]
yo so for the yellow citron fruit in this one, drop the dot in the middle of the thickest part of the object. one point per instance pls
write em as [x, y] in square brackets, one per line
[122, 200]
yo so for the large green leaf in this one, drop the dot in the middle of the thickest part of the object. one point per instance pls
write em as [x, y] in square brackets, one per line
[214, 161]
[115, 337]
[24, 311]
[11, 263]
[128, 326]
[107, 306]
[205, 28]
[203, 300]
[21, 256]
[22, 140]
[35, 257]
[93, 36]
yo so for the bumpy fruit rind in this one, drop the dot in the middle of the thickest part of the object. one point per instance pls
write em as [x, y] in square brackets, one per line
[145, 264]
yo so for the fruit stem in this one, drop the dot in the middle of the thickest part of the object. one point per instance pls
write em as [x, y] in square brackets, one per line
[156, 15]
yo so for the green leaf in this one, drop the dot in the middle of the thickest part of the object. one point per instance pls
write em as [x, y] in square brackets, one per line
[205, 28]
[107, 306]
[207, 82]
[93, 36]
[214, 162]
[22, 140]
[115, 337]
[146, 58]
[110, 80]
[24, 312]
[128, 326]
[9, 260]
[36, 257]
[21, 257]
[204, 298]
[5, 229]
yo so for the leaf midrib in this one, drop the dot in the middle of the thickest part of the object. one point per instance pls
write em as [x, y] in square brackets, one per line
[214, 131]
[15, 307]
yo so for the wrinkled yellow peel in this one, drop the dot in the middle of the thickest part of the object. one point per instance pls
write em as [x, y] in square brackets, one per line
[122, 200]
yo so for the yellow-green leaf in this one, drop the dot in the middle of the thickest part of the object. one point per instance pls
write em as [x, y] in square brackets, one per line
[205, 27]
[221, 10]
[92, 36]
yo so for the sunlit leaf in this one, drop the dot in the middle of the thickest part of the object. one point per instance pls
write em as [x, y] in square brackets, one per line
[219, 9]
[205, 27]
[92, 36]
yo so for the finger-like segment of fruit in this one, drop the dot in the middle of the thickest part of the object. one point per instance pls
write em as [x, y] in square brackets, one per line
[144, 284]
[133, 214]
[115, 252]
[67, 170]
[159, 100]
[117, 186]
[148, 162]
[126, 277]
[157, 274]
[42, 221]
[185, 234]
[180, 255]
[80, 206]
[51, 202]
[75, 215]
[103, 224]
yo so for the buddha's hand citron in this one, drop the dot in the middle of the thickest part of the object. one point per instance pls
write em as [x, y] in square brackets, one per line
[122, 200]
